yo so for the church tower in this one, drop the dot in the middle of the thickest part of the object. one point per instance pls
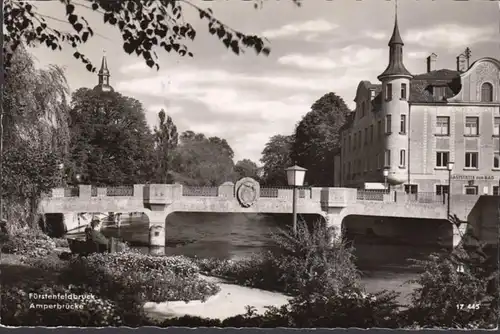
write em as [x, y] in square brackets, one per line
[103, 75]
[395, 110]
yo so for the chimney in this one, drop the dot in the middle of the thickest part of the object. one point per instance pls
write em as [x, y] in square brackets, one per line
[458, 63]
[432, 57]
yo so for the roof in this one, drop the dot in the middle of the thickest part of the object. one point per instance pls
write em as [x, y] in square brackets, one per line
[420, 91]
[396, 37]
[104, 67]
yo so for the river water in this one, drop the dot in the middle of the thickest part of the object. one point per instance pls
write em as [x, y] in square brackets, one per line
[383, 264]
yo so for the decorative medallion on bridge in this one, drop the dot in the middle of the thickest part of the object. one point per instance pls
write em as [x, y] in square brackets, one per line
[247, 191]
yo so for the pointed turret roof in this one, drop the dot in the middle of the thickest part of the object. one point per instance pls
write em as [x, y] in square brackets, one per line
[104, 66]
[396, 37]
[396, 66]
[103, 75]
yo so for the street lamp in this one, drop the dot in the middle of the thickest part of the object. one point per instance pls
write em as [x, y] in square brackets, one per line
[450, 168]
[295, 176]
[386, 174]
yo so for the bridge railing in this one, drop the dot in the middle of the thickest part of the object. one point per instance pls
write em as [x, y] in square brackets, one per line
[71, 192]
[372, 195]
[200, 191]
[285, 192]
[420, 197]
[120, 191]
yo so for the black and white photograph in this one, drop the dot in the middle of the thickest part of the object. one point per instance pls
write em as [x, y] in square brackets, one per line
[297, 164]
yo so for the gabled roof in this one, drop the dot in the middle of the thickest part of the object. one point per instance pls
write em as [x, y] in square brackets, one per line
[420, 85]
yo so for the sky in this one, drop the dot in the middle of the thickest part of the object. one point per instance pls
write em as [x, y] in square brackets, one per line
[321, 47]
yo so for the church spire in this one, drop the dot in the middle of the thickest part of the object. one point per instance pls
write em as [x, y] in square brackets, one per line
[103, 75]
[396, 66]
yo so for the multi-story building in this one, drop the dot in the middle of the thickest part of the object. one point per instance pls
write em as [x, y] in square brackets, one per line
[414, 125]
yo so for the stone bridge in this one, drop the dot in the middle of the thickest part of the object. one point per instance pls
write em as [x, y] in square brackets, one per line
[157, 201]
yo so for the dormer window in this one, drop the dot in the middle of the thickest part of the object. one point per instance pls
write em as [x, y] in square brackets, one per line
[439, 92]
[486, 92]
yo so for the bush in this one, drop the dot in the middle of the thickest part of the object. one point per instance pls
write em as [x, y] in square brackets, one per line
[310, 262]
[448, 298]
[29, 242]
[61, 242]
[140, 278]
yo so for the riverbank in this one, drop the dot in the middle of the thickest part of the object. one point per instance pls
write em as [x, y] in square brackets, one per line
[230, 301]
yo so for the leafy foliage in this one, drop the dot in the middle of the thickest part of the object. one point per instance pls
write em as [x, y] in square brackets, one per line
[111, 143]
[308, 264]
[246, 168]
[202, 161]
[276, 157]
[166, 141]
[317, 137]
[30, 243]
[39, 117]
[448, 297]
[144, 277]
[145, 26]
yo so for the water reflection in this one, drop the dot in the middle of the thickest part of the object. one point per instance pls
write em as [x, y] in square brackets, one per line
[384, 262]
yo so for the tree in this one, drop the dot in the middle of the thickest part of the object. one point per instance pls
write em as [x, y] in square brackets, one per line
[317, 137]
[111, 143]
[276, 157]
[166, 140]
[202, 162]
[39, 116]
[145, 26]
[246, 168]
[35, 132]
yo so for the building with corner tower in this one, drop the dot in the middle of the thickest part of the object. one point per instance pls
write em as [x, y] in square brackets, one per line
[414, 125]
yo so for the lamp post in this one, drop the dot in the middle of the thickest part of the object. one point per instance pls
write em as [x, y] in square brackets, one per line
[386, 174]
[61, 173]
[295, 177]
[449, 166]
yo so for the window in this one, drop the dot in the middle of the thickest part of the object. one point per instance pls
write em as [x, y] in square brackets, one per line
[443, 125]
[486, 92]
[441, 189]
[403, 91]
[371, 133]
[496, 160]
[345, 145]
[442, 159]
[439, 92]
[372, 93]
[388, 92]
[377, 161]
[387, 158]
[470, 159]
[366, 166]
[471, 190]
[388, 124]
[471, 126]
[411, 188]
[495, 190]
[349, 171]
[363, 109]
[366, 136]
[355, 142]
[349, 143]
[402, 129]
[496, 126]
[402, 158]
[359, 139]
[380, 130]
